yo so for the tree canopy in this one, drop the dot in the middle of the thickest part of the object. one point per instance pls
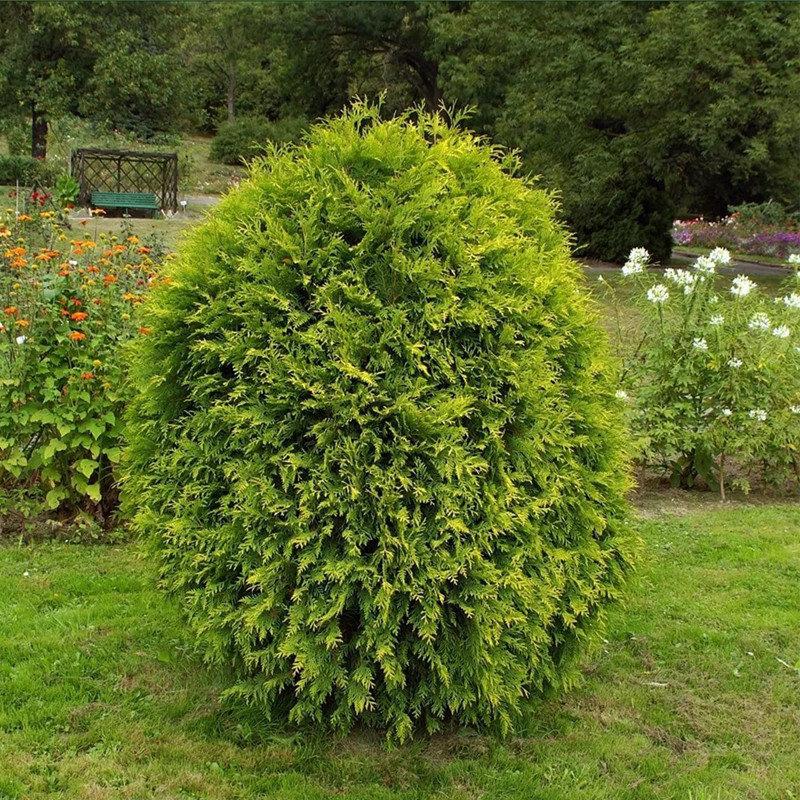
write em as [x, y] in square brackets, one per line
[633, 112]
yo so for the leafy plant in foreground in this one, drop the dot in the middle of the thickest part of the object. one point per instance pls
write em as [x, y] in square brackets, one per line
[373, 434]
[66, 305]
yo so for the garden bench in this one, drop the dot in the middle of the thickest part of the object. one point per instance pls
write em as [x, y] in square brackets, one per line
[140, 201]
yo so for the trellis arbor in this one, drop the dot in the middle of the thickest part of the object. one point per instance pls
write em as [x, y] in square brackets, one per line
[126, 179]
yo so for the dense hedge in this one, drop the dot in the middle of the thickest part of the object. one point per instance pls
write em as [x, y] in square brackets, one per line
[243, 139]
[26, 171]
[373, 433]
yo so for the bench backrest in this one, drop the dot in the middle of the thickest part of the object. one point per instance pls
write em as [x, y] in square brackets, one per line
[125, 199]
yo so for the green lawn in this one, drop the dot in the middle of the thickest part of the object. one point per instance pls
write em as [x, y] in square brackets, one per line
[695, 694]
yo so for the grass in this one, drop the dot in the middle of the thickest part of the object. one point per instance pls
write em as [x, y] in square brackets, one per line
[694, 695]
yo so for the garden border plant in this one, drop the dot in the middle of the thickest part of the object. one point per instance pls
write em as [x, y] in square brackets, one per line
[713, 382]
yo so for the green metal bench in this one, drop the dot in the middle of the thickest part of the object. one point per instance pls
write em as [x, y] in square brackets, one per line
[138, 201]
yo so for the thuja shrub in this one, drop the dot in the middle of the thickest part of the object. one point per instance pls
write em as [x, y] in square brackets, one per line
[374, 436]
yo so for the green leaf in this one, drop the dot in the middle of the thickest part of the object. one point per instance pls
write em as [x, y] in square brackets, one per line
[86, 466]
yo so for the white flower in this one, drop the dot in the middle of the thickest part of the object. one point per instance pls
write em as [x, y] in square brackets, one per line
[705, 265]
[73, 262]
[700, 344]
[726, 412]
[794, 258]
[713, 299]
[2, 327]
[682, 277]
[632, 268]
[759, 322]
[735, 363]
[758, 414]
[21, 339]
[782, 332]
[741, 286]
[637, 261]
[621, 394]
[639, 254]
[794, 409]
[26, 574]
[720, 255]
[717, 319]
[792, 300]
[658, 294]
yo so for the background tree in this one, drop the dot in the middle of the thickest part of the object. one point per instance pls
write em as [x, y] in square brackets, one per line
[110, 61]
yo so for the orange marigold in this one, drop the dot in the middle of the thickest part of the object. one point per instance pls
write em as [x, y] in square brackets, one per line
[109, 279]
[23, 323]
[79, 316]
[144, 330]
[10, 310]
[87, 376]
[77, 336]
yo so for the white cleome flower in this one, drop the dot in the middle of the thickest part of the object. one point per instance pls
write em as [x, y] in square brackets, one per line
[782, 332]
[632, 268]
[705, 265]
[700, 344]
[735, 363]
[21, 339]
[758, 414]
[791, 300]
[73, 262]
[639, 254]
[717, 319]
[621, 394]
[741, 286]
[726, 412]
[658, 294]
[759, 322]
[720, 255]
[794, 258]
[794, 409]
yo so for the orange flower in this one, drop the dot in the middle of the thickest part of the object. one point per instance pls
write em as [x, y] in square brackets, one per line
[64, 273]
[144, 250]
[23, 323]
[18, 263]
[133, 239]
[24, 218]
[77, 336]
[92, 268]
[64, 312]
[97, 212]
[87, 376]
[76, 302]
[10, 310]
[79, 316]
[144, 330]
[109, 279]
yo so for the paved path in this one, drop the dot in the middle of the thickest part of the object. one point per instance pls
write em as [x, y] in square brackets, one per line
[734, 268]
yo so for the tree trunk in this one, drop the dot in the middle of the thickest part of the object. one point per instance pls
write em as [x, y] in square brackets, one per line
[231, 93]
[38, 134]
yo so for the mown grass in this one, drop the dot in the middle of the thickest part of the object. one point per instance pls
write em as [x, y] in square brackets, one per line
[694, 694]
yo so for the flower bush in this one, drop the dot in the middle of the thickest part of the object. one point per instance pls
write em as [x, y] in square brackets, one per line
[67, 303]
[764, 229]
[373, 433]
[713, 384]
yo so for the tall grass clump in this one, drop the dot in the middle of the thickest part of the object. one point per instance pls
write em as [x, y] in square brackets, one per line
[373, 433]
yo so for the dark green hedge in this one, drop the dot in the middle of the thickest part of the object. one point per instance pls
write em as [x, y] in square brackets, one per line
[373, 434]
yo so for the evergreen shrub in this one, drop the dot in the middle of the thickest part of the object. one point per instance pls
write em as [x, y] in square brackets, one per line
[373, 433]
[245, 138]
